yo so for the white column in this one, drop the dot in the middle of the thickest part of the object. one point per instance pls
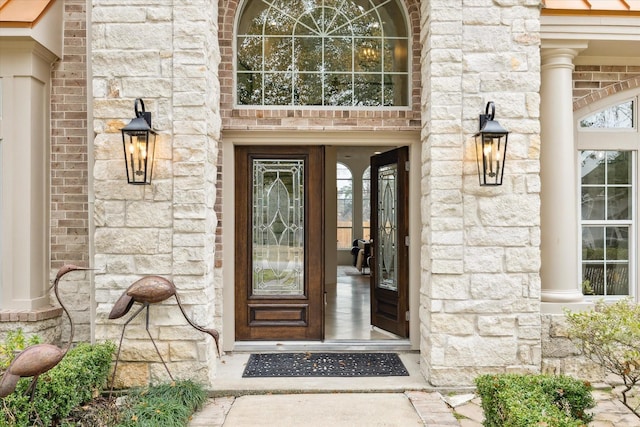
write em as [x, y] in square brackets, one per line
[559, 212]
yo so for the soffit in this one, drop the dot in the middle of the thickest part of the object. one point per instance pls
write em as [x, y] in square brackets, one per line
[609, 28]
[590, 7]
[22, 13]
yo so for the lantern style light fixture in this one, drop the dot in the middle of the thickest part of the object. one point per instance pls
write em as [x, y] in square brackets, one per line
[491, 148]
[139, 143]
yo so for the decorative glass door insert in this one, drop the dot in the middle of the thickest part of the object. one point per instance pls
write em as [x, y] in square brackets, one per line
[387, 227]
[278, 227]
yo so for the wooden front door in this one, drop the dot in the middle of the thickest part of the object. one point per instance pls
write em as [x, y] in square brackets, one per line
[390, 234]
[279, 246]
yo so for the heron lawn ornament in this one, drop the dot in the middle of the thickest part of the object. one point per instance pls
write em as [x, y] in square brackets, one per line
[146, 291]
[38, 359]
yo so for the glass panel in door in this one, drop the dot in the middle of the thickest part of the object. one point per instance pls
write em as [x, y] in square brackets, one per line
[278, 227]
[387, 228]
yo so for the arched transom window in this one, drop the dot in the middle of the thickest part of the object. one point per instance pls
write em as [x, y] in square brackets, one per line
[337, 53]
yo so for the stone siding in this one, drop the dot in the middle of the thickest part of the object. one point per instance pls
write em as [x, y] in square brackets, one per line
[480, 295]
[168, 55]
[561, 355]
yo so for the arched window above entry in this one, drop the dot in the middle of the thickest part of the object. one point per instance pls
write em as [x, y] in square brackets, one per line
[333, 53]
[618, 116]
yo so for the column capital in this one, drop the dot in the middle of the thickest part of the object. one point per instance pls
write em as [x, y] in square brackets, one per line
[561, 52]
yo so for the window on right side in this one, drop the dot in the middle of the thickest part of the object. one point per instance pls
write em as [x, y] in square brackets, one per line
[608, 142]
[607, 221]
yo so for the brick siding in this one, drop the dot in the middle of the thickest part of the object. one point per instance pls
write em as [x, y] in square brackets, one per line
[69, 162]
[69, 166]
[594, 82]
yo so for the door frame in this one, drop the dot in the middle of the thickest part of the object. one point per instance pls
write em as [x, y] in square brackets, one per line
[226, 187]
[281, 317]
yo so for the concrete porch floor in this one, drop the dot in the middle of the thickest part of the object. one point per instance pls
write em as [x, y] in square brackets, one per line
[229, 380]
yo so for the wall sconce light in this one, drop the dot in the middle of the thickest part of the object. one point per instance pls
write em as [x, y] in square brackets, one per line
[491, 148]
[139, 143]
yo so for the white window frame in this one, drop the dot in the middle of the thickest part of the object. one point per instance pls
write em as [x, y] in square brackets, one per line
[374, 12]
[601, 139]
[338, 227]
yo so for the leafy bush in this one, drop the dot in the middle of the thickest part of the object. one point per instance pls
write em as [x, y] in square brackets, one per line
[166, 405]
[14, 341]
[513, 400]
[76, 379]
[610, 336]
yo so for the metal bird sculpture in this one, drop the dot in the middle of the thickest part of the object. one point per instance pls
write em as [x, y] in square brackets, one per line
[38, 359]
[146, 291]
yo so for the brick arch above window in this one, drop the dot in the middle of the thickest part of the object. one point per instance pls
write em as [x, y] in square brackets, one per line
[326, 119]
[612, 89]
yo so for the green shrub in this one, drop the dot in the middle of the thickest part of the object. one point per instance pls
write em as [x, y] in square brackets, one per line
[13, 342]
[513, 400]
[166, 405]
[76, 379]
[610, 336]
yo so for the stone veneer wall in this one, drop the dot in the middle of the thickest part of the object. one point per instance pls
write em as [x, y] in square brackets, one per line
[480, 298]
[560, 355]
[168, 55]
[480, 309]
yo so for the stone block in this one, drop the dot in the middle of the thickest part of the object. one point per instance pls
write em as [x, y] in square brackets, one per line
[142, 87]
[183, 351]
[117, 14]
[479, 351]
[148, 36]
[447, 252]
[131, 375]
[497, 325]
[125, 240]
[125, 63]
[522, 260]
[455, 237]
[195, 371]
[452, 324]
[498, 236]
[512, 210]
[143, 351]
[447, 267]
[450, 287]
[158, 264]
[483, 259]
[142, 214]
[458, 376]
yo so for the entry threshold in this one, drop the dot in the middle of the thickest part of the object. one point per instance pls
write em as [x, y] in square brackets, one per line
[327, 345]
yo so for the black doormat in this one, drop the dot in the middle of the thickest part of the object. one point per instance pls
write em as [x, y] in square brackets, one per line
[324, 365]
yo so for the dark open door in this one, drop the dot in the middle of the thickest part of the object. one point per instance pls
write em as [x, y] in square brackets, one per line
[279, 245]
[389, 232]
